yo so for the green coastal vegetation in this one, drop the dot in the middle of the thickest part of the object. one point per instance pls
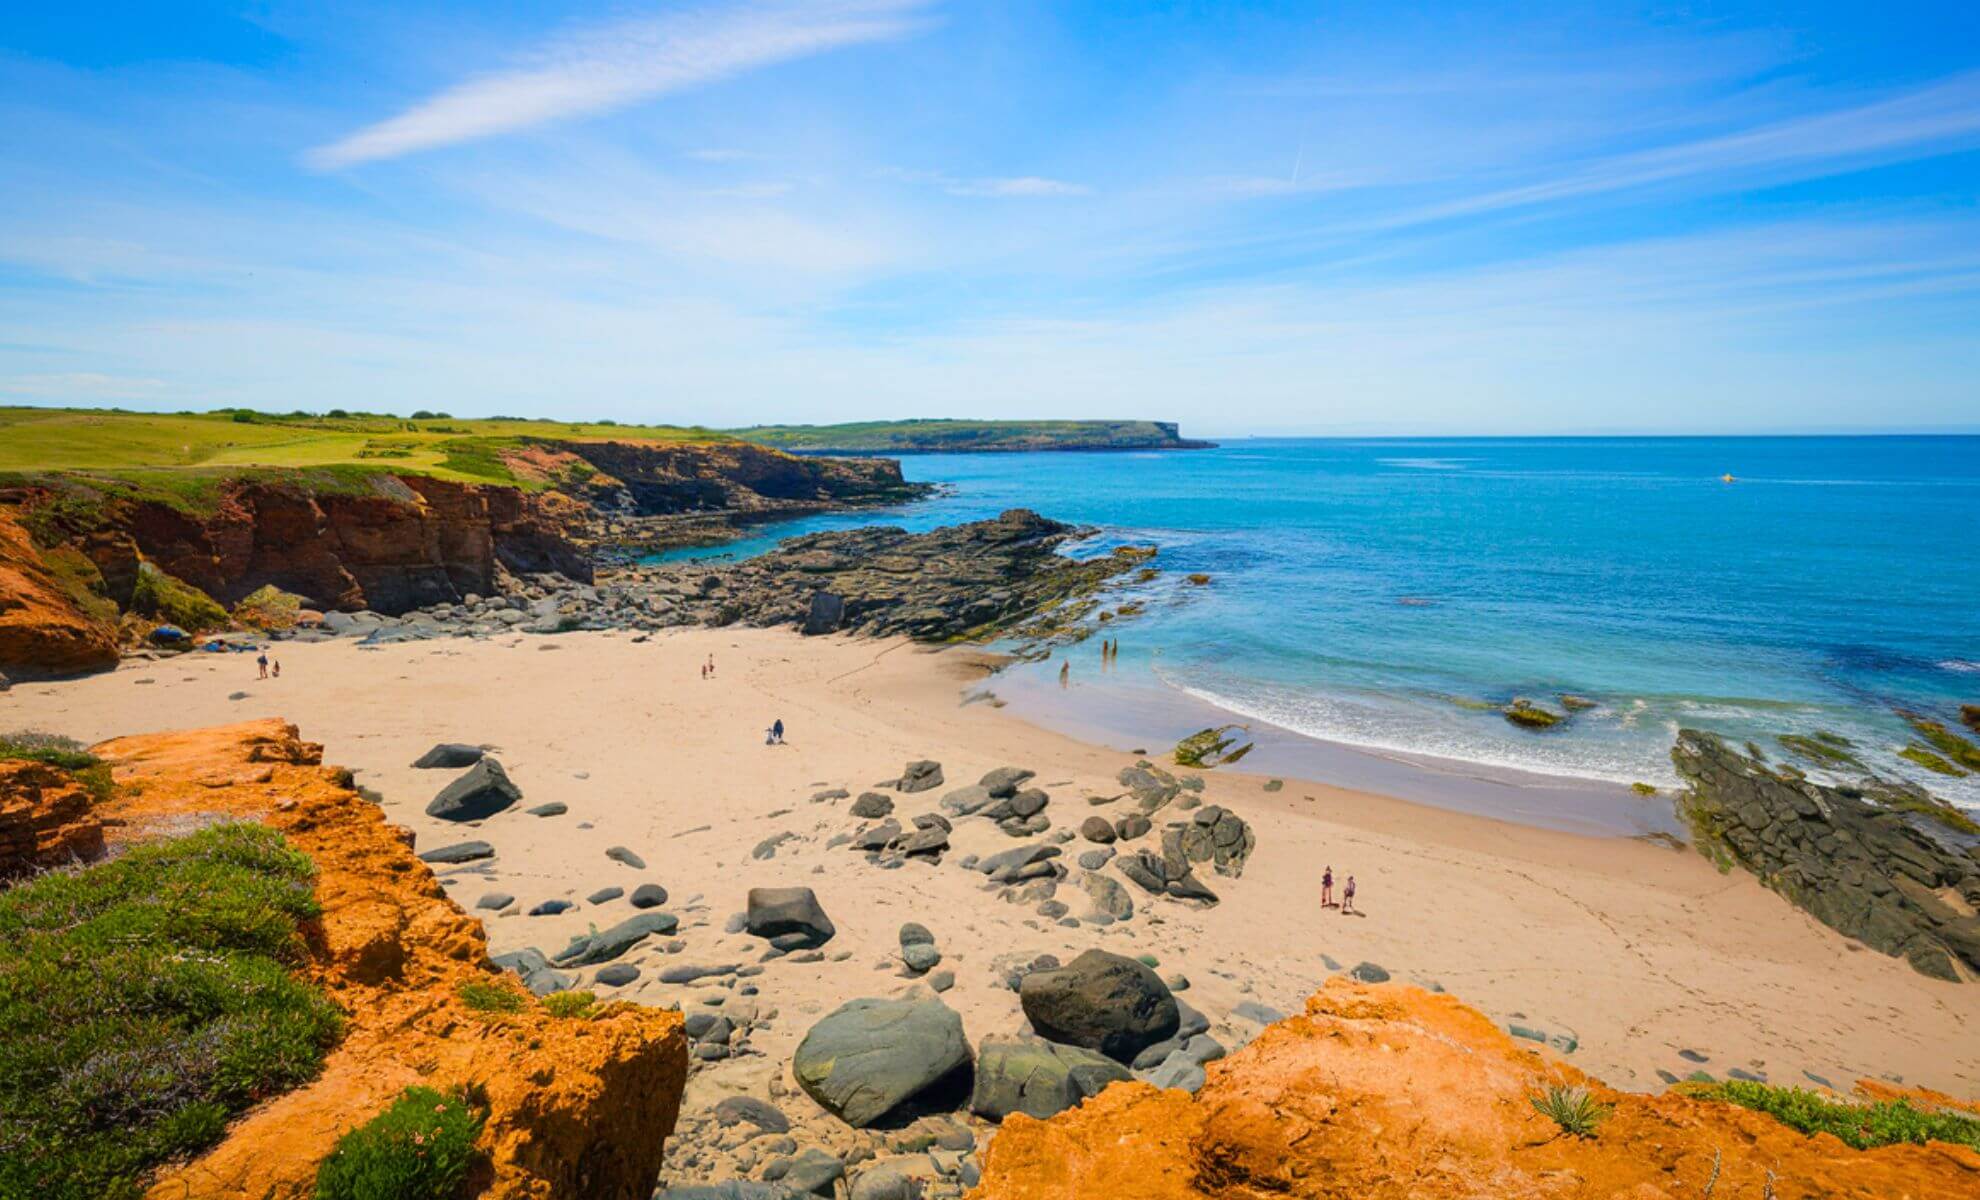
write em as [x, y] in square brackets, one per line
[420, 1148]
[1862, 1126]
[145, 1001]
[185, 456]
[64, 753]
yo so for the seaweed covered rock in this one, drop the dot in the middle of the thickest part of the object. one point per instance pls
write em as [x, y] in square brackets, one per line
[1036, 1077]
[1212, 747]
[1528, 715]
[1897, 877]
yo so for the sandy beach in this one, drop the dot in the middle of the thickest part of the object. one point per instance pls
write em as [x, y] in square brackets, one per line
[1635, 950]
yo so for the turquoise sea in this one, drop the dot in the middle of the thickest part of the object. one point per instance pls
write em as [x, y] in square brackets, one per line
[1368, 596]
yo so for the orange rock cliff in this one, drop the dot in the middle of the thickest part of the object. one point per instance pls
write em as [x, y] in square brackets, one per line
[577, 1106]
[1389, 1092]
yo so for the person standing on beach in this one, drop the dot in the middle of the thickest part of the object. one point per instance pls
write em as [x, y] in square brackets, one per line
[777, 732]
[711, 666]
[262, 662]
[274, 668]
[1347, 897]
[1065, 672]
[1327, 887]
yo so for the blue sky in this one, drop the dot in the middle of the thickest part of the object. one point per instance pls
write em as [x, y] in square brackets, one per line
[1306, 218]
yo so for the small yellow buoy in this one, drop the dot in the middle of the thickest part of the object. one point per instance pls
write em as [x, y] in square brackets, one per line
[1726, 478]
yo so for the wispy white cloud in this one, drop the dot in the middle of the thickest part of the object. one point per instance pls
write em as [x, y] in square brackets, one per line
[1022, 185]
[1924, 120]
[609, 67]
[1011, 186]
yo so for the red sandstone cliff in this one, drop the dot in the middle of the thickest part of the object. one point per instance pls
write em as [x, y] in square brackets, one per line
[578, 1106]
[42, 627]
[1392, 1093]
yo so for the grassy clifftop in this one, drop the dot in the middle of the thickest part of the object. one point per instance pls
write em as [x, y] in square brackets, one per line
[227, 442]
[937, 436]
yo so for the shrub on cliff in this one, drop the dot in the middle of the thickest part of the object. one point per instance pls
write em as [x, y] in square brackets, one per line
[1862, 1126]
[173, 601]
[145, 1001]
[418, 1149]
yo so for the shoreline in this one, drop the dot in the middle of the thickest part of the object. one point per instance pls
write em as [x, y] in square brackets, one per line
[1633, 951]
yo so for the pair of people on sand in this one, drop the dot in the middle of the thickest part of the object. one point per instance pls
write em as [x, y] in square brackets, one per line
[1327, 892]
[708, 668]
[269, 669]
[774, 736]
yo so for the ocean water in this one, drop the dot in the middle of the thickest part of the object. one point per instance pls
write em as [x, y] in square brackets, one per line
[1386, 595]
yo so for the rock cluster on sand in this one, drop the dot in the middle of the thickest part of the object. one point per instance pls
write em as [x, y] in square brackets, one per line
[1884, 875]
[1037, 1077]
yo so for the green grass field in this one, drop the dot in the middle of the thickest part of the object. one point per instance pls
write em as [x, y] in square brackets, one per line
[957, 435]
[35, 440]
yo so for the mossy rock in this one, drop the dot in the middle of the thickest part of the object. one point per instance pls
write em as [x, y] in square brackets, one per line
[1969, 715]
[1949, 744]
[173, 601]
[269, 607]
[1923, 757]
[1643, 789]
[1199, 579]
[1574, 703]
[1822, 749]
[1210, 747]
[1528, 715]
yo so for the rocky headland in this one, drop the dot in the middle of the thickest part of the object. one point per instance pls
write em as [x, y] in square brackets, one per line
[1878, 861]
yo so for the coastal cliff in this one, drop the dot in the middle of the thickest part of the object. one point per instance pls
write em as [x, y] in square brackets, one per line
[78, 550]
[575, 1105]
[1389, 1092]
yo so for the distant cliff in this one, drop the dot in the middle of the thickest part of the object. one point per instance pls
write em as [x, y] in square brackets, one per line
[935, 436]
[84, 551]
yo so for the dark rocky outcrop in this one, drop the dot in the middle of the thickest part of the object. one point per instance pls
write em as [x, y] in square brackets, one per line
[950, 583]
[1894, 878]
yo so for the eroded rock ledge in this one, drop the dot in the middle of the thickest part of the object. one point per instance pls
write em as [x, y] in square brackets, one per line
[1389, 1092]
[1894, 878]
[577, 1107]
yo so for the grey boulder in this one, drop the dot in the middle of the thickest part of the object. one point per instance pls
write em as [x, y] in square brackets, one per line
[459, 852]
[920, 775]
[609, 944]
[870, 1057]
[775, 912]
[1103, 1002]
[450, 756]
[535, 970]
[482, 792]
[1036, 1077]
